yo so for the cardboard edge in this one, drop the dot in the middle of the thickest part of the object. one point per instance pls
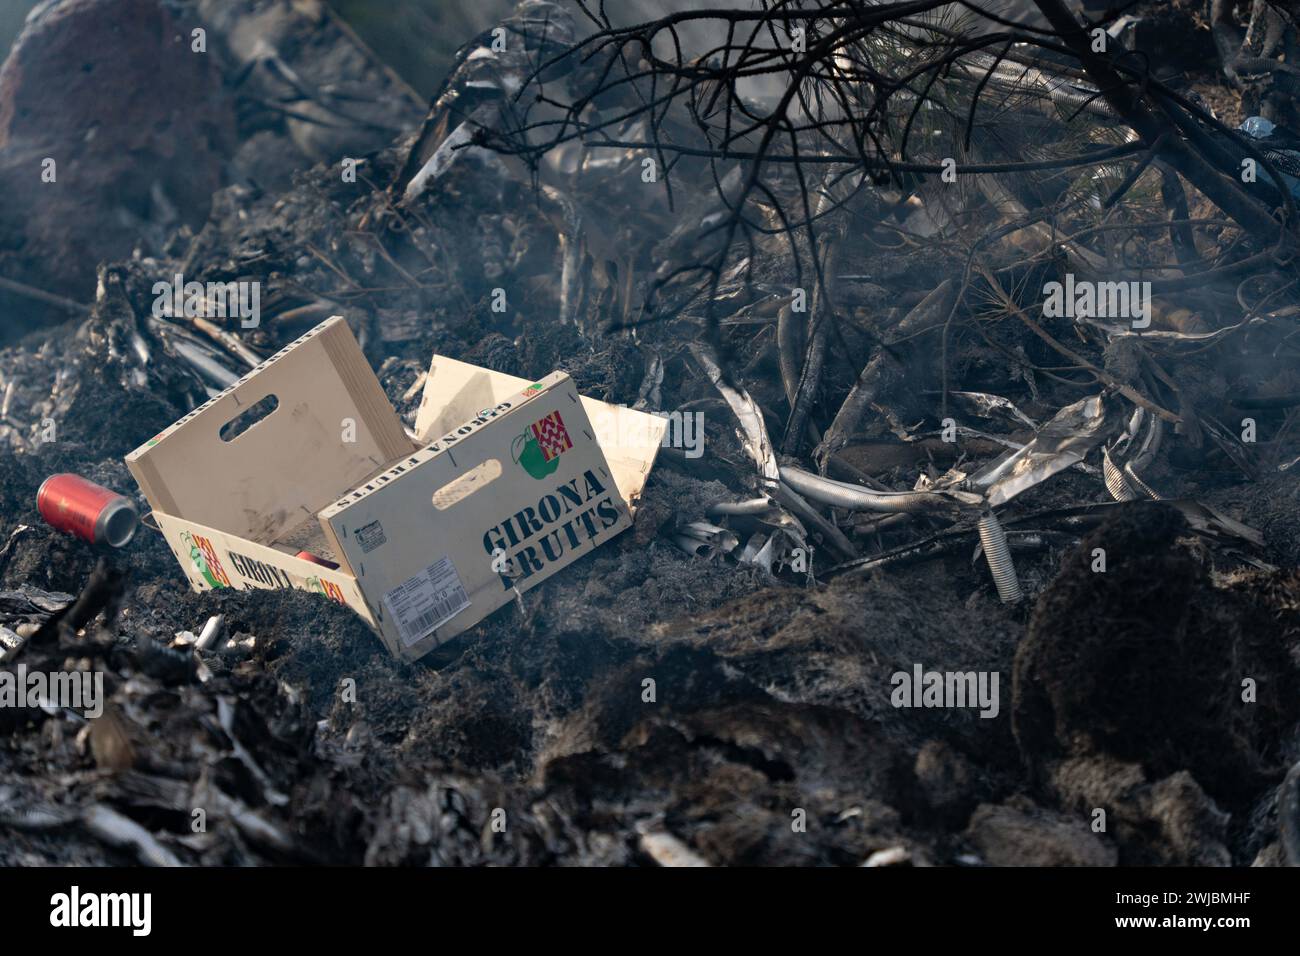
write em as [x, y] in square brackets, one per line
[363, 387]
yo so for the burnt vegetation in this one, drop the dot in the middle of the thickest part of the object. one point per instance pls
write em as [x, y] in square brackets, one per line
[831, 227]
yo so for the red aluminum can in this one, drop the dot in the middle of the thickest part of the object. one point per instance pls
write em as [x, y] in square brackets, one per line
[316, 559]
[90, 511]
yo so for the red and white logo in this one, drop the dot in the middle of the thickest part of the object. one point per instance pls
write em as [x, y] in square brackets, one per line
[552, 437]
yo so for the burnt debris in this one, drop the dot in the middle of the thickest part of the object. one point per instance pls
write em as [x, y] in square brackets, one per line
[976, 336]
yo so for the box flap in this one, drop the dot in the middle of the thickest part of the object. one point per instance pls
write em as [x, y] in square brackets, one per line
[456, 391]
[332, 426]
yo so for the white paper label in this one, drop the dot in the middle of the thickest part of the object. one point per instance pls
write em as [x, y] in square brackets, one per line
[425, 602]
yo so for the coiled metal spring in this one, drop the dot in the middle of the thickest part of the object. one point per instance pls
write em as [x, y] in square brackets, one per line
[998, 555]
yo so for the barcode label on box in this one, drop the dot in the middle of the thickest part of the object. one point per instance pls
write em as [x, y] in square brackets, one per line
[371, 536]
[425, 602]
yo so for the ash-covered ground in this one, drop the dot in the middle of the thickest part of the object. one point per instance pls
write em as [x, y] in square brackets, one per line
[644, 705]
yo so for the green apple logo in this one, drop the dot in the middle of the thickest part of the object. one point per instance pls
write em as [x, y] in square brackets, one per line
[527, 453]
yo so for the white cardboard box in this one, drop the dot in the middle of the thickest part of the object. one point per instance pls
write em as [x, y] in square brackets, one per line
[510, 481]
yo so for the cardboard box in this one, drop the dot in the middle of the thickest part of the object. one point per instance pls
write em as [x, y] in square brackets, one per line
[510, 481]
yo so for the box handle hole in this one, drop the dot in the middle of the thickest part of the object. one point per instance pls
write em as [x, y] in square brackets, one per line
[249, 417]
[461, 487]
